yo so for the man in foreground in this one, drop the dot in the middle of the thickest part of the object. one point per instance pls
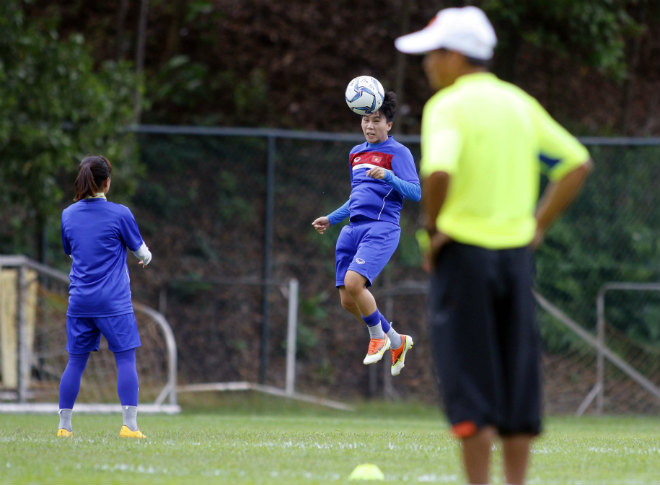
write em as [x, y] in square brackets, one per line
[484, 145]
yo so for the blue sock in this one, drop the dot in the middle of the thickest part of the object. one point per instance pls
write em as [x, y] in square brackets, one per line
[127, 378]
[384, 323]
[70, 383]
[373, 324]
[393, 335]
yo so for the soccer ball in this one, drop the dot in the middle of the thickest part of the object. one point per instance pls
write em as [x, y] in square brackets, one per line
[364, 95]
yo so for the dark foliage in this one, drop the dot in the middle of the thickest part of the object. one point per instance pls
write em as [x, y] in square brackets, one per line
[284, 63]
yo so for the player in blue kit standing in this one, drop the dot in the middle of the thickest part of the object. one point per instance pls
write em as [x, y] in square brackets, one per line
[383, 173]
[95, 234]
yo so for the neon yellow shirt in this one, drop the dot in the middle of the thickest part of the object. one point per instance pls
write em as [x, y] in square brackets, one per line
[494, 141]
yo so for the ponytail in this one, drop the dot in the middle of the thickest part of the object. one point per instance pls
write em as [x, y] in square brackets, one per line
[93, 172]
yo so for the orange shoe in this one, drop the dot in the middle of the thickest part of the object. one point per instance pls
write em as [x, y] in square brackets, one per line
[377, 347]
[399, 355]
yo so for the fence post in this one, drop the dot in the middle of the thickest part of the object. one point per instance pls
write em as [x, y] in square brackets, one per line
[388, 388]
[268, 242]
[22, 340]
[600, 361]
[291, 336]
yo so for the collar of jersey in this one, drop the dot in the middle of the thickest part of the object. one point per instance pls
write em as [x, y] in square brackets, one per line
[99, 195]
[474, 77]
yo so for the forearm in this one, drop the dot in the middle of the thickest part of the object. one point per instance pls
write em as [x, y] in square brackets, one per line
[409, 190]
[143, 254]
[559, 195]
[340, 214]
[434, 193]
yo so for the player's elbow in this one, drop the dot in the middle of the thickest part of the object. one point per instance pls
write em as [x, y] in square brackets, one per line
[416, 194]
[581, 173]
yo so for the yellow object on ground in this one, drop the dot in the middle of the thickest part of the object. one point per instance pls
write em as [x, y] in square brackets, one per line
[366, 471]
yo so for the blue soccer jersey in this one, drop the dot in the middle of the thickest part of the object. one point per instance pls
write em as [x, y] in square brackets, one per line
[373, 198]
[96, 233]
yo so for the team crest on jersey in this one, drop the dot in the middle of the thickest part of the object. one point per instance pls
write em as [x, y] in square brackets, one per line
[377, 159]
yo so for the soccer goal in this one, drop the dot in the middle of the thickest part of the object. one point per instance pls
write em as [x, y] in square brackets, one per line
[288, 391]
[33, 301]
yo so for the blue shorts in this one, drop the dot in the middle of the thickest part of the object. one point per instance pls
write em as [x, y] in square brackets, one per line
[365, 247]
[83, 334]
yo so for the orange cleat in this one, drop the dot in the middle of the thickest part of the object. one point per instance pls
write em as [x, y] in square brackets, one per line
[377, 347]
[399, 355]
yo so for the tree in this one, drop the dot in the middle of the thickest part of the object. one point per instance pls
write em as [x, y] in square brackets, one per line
[56, 108]
[593, 31]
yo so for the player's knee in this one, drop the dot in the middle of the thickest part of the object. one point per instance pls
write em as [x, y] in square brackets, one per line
[354, 283]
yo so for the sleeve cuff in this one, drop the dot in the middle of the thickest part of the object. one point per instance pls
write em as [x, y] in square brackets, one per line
[143, 254]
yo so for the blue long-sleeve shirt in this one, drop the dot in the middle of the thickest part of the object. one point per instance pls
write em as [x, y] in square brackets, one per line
[378, 199]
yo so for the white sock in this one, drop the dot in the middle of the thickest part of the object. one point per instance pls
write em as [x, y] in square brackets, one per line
[129, 414]
[65, 419]
[376, 331]
[395, 338]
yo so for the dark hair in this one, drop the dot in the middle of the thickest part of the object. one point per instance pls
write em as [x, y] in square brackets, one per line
[93, 172]
[388, 108]
[473, 61]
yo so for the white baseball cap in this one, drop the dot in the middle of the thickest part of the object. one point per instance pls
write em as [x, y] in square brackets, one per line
[466, 30]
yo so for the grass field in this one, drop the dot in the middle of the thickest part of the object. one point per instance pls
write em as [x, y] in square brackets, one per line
[250, 439]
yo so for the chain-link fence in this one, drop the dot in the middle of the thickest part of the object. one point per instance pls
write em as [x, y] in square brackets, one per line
[226, 210]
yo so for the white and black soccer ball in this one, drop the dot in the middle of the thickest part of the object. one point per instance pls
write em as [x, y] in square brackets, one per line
[364, 95]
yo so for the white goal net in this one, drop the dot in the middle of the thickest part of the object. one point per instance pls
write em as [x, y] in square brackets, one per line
[33, 301]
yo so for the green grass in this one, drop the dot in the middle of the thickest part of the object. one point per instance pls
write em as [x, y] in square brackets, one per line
[248, 439]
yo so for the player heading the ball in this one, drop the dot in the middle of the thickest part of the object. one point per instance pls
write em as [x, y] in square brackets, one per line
[382, 173]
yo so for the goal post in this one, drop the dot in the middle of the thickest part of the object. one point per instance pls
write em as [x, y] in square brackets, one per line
[290, 290]
[33, 300]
